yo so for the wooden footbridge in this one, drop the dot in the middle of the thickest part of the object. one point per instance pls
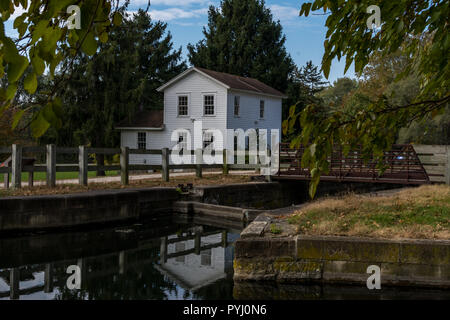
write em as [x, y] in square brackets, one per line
[402, 163]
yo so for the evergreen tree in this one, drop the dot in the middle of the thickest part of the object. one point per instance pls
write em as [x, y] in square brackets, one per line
[116, 82]
[303, 85]
[243, 39]
[312, 78]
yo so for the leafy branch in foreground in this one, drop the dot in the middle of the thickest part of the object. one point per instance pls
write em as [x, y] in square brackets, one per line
[44, 40]
[421, 28]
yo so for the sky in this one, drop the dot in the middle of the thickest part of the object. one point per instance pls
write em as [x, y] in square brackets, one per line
[186, 18]
[304, 35]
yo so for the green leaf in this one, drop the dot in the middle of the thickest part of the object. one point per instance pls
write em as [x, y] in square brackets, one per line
[16, 118]
[313, 188]
[39, 30]
[103, 37]
[57, 107]
[313, 149]
[38, 65]
[17, 68]
[39, 126]
[11, 91]
[30, 83]
[117, 19]
[89, 45]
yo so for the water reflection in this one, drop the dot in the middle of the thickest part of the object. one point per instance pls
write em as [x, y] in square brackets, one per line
[163, 259]
[173, 258]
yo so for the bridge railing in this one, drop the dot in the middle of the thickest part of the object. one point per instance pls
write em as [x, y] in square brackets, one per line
[401, 165]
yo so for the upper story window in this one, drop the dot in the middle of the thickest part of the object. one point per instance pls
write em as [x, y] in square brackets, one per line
[183, 105]
[208, 105]
[142, 140]
[261, 109]
[237, 105]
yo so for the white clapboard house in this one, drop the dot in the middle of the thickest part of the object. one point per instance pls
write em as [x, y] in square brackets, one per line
[219, 100]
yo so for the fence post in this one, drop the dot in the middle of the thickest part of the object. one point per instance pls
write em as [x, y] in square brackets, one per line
[51, 165]
[198, 162]
[16, 166]
[14, 283]
[224, 239]
[6, 180]
[198, 243]
[82, 166]
[124, 165]
[48, 278]
[225, 162]
[31, 178]
[447, 172]
[165, 164]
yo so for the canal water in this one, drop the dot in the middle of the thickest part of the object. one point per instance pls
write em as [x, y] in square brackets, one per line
[172, 258]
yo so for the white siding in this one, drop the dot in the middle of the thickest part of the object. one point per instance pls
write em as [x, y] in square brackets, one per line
[249, 112]
[195, 86]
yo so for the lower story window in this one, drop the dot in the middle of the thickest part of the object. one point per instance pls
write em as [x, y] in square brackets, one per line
[182, 141]
[142, 140]
[208, 139]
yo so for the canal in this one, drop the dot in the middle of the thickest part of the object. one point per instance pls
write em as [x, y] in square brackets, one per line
[175, 258]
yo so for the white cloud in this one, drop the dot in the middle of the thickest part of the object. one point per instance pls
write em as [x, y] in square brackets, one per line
[176, 13]
[284, 13]
[178, 3]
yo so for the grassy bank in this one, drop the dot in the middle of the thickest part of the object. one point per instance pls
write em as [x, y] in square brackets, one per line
[417, 213]
[208, 179]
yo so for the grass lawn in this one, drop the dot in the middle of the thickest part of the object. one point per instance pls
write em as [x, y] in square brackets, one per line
[208, 179]
[418, 213]
[41, 176]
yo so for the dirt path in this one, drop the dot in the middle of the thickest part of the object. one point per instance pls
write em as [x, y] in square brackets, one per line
[152, 176]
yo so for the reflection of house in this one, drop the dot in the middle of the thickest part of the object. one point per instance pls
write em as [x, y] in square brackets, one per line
[196, 261]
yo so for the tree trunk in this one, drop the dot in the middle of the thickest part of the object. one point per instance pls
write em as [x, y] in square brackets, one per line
[100, 162]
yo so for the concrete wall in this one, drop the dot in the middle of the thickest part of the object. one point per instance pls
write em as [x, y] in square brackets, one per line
[59, 211]
[263, 195]
[343, 260]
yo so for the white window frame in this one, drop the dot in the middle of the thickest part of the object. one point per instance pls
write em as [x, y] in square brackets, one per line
[207, 134]
[238, 105]
[263, 104]
[214, 95]
[183, 141]
[187, 95]
[139, 141]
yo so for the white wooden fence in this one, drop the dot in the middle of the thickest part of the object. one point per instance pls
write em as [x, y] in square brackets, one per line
[18, 165]
[436, 161]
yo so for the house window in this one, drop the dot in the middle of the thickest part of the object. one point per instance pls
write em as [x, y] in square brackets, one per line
[237, 105]
[208, 139]
[142, 140]
[182, 141]
[183, 105]
[261, 109]
[208, 104]
[180, 247]
[206, 257]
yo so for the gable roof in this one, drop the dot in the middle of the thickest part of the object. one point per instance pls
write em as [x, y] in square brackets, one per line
[146, 119]
[229, 81]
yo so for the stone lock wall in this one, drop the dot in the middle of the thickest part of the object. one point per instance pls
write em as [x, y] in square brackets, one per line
[71, 210]
[422, 263]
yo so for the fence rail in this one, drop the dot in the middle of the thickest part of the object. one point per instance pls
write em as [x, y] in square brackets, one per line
[436, 161]
[17, 164]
